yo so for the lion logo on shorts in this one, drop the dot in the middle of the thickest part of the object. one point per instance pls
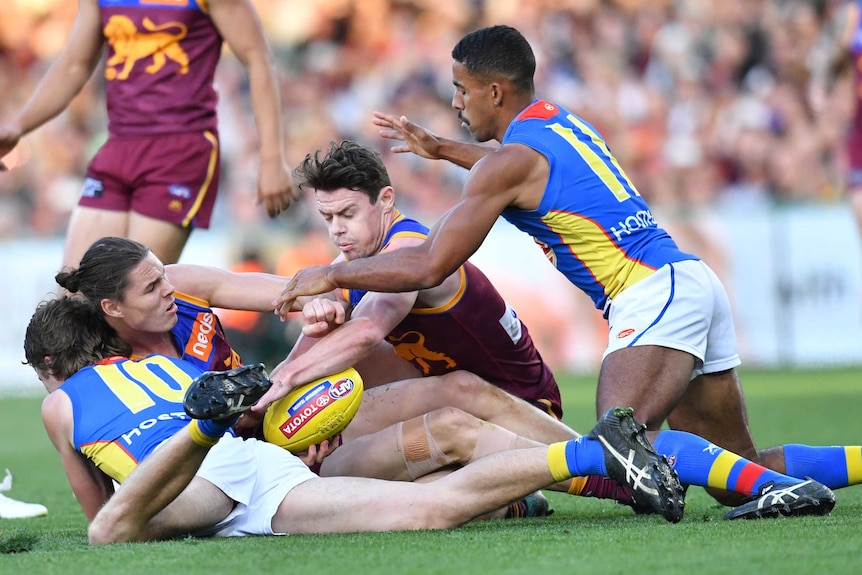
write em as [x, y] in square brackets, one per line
[131, 45]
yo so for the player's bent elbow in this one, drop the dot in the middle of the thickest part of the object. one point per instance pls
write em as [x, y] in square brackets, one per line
[99, 534]
[103, 531]
[433, 274]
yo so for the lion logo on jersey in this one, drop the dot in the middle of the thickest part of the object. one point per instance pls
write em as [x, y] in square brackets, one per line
[416, 352]
[131, 45]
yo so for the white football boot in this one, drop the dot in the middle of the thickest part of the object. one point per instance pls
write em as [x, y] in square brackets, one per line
[14, 509]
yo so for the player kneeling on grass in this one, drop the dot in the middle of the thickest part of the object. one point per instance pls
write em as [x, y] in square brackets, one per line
[106, 411]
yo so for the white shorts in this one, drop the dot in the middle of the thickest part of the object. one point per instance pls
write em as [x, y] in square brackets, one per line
[680, 306]
[257, 475]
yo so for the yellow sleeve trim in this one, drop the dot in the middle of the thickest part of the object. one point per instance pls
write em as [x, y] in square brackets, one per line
[191, 299]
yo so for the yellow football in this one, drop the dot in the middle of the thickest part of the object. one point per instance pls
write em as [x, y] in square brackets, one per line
[313, 412]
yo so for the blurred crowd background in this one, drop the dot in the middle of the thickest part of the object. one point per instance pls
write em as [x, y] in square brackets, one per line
[702, 101]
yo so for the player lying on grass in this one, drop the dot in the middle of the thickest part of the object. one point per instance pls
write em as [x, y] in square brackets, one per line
[134, 293]
[166, 310]
[139, 302]
[672, 351]
[461, 324]
[107, 416]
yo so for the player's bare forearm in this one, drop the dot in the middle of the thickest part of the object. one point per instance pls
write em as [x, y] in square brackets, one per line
[402, 270]
[68, 74]
[464, 154]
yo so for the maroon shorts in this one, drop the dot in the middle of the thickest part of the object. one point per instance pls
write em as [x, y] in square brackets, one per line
[173, 178]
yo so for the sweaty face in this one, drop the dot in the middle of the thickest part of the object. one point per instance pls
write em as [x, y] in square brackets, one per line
[149, 299]
[355, 225]
[474, 102]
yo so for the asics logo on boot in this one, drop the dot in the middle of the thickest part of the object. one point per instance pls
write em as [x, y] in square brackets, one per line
[634, 475]
[772, 497]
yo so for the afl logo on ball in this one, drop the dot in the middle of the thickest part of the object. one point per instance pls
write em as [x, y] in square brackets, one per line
[341, 388]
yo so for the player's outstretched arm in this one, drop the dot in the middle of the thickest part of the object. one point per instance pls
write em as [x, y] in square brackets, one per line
[427, 144]
[239, 24]
[251, 291]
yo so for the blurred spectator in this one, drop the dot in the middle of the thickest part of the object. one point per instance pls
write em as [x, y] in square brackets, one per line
[677, 86]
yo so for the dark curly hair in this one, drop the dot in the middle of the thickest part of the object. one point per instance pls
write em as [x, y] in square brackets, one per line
[345, 165]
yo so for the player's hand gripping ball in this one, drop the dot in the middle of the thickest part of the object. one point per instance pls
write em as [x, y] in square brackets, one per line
[313, 412]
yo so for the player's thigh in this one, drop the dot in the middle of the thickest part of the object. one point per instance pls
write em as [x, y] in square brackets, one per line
[383, 366]
[373, 455]
[714, 408]
[88, 225]
[388, 404]
[650, 378]
[200, 506]
[354, 504]
[165, 239]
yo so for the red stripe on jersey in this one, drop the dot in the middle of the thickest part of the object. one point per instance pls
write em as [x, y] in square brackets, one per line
[541, 110]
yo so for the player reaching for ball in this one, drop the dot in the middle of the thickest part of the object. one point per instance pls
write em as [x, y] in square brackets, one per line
[672, 351]
[203, 481]
[462, 336]
[141, 304]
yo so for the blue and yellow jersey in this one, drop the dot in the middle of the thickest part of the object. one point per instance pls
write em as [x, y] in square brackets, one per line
[160, 66]
[592, 223]
[199, 337]
[123, 410]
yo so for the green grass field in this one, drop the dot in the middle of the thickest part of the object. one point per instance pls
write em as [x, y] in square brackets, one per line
[584, 535]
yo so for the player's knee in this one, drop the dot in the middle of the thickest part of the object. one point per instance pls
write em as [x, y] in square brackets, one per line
[454, 431]
[436, 440]
[461, 387]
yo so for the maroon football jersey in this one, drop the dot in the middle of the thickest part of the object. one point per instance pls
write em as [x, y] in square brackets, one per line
[162, 56]
[478, 332]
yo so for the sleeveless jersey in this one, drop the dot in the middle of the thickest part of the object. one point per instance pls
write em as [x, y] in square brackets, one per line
[592, 223]
[199, 336]
[476, 331]
[122, 411]
[162, 56]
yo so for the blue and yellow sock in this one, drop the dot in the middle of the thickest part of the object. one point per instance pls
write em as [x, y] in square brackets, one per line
[206, 432]
[699, 462]
[577, 457]
[832, 465]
